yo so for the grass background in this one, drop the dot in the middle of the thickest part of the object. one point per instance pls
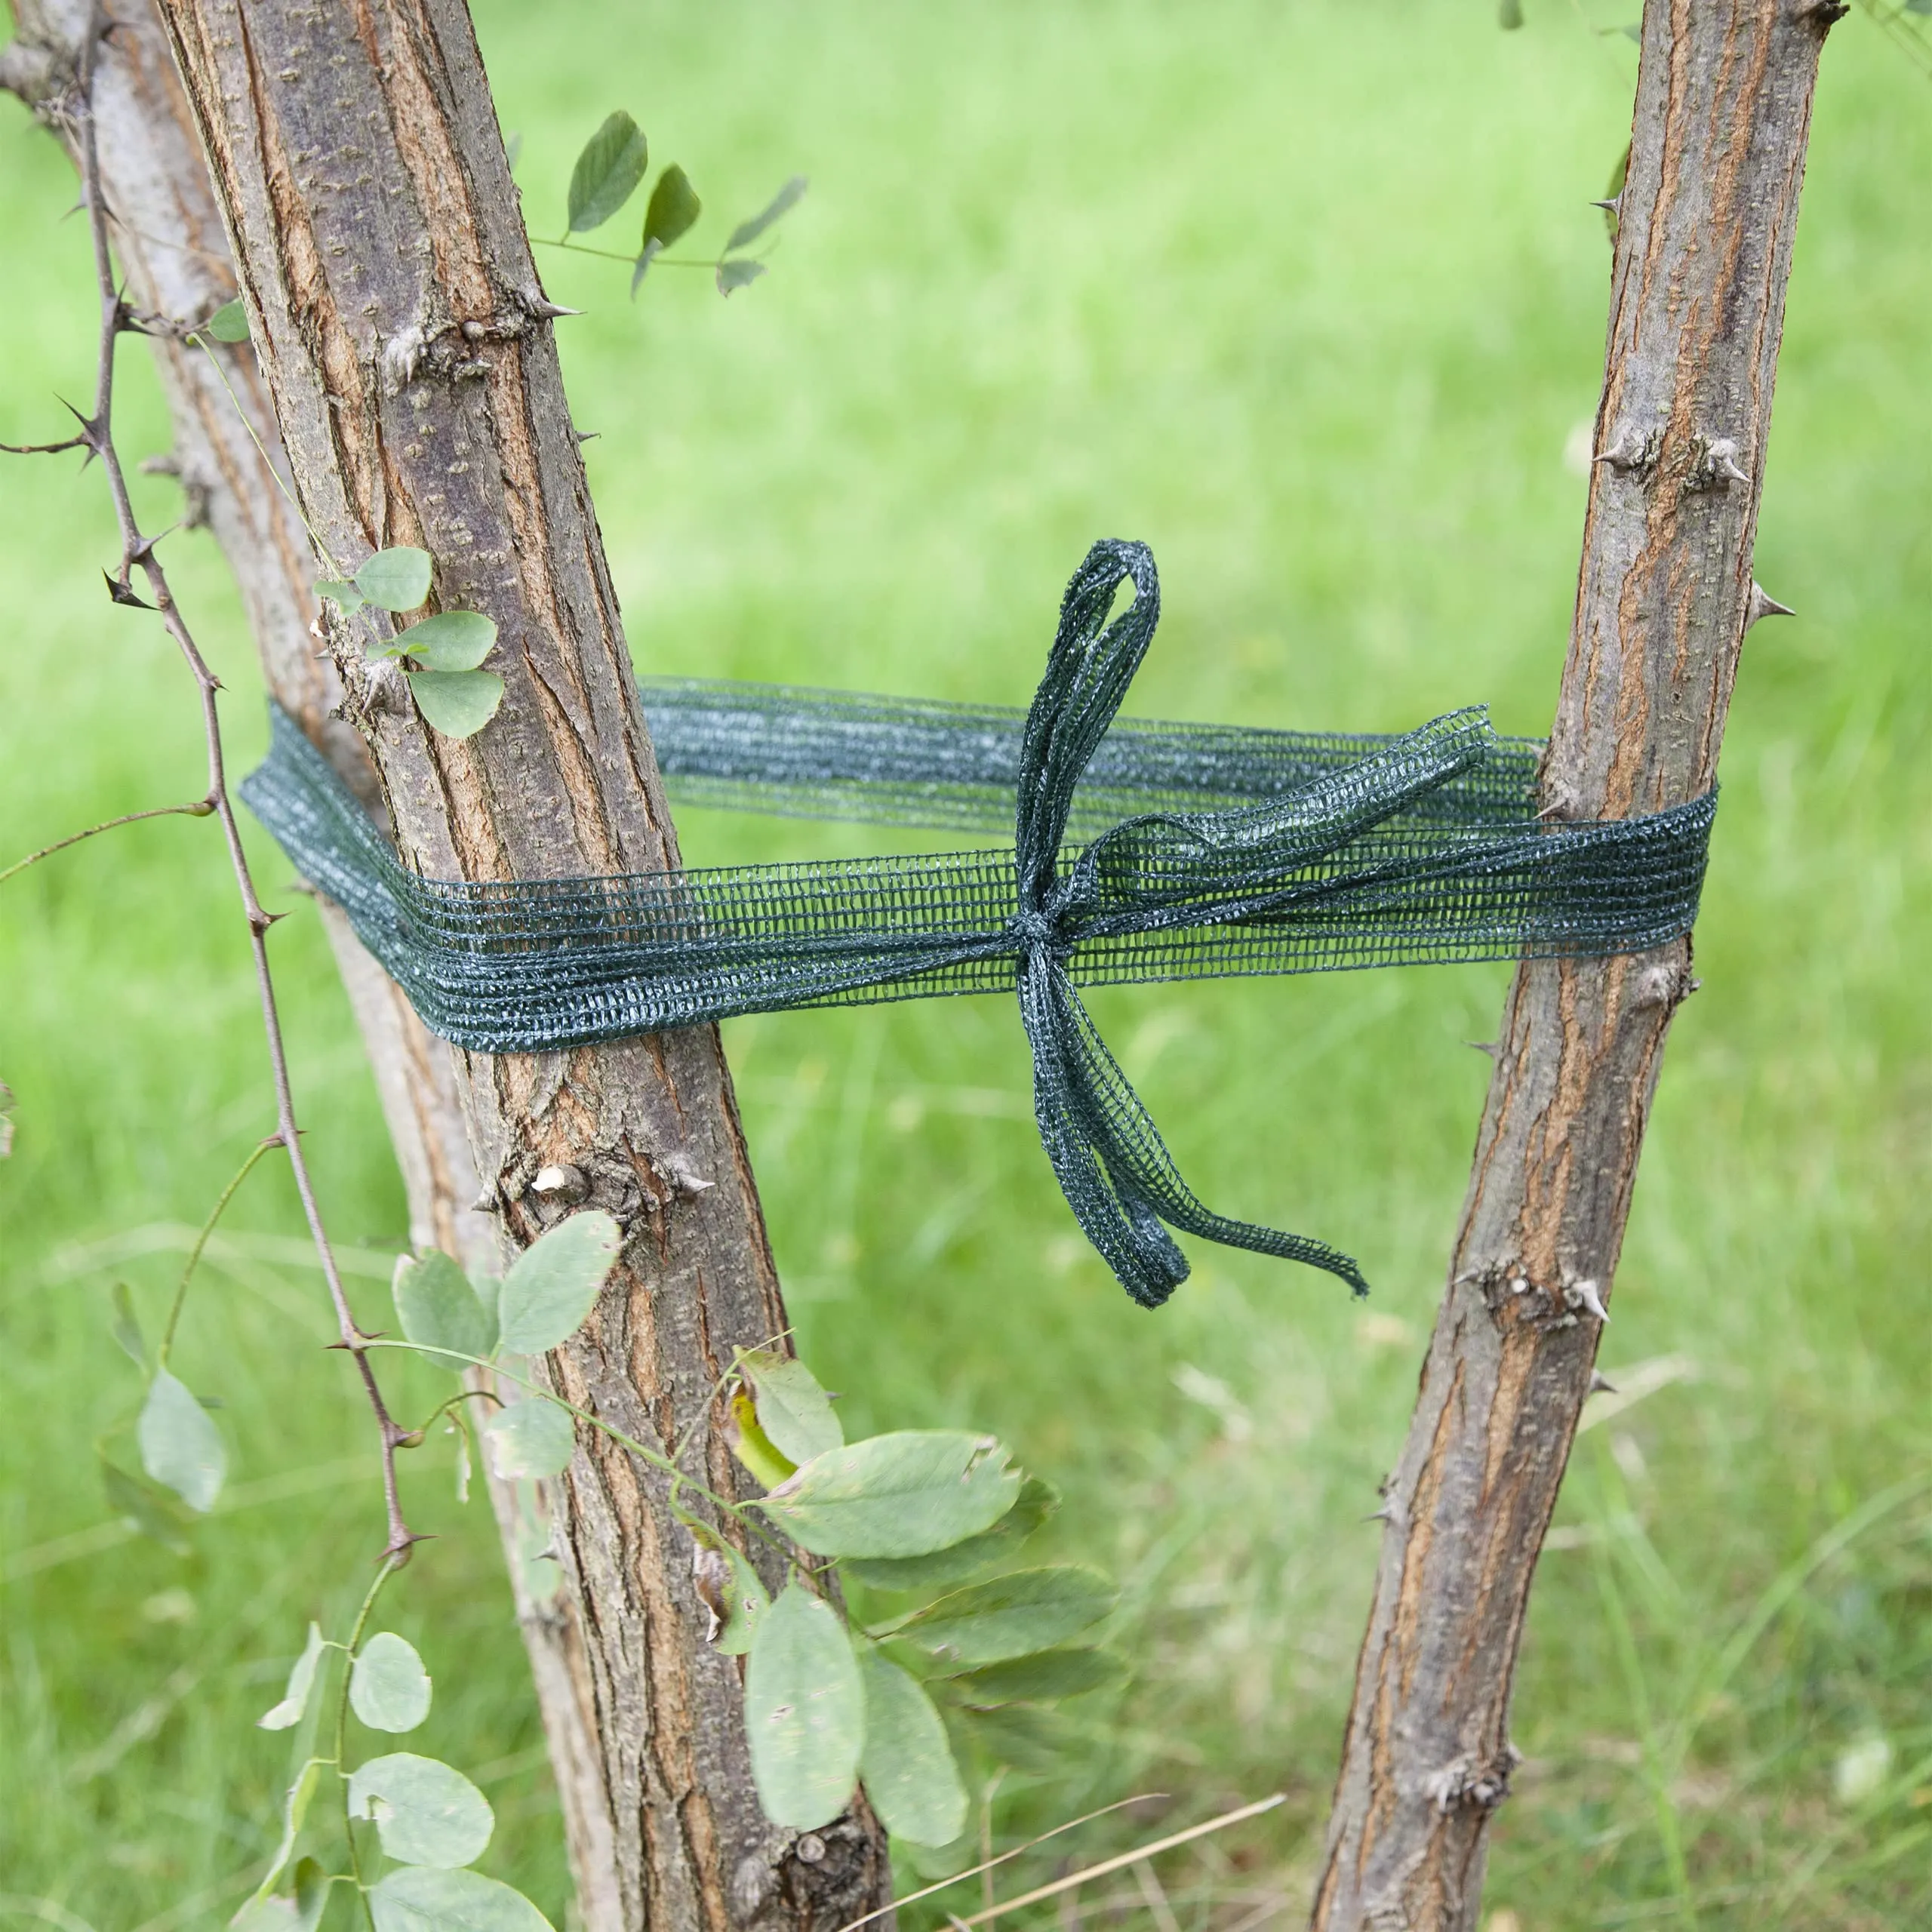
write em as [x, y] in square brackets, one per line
[1308, 297]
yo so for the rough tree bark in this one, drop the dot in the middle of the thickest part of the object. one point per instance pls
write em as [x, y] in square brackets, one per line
[1664, 597]
[408, 355]
[174, 253]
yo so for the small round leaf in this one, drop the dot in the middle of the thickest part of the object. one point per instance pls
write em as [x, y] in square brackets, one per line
[389, 1689]
[426, 1812]
[674, 206]
[229, 323]
[531, 1438]
[451, 640]
[458, 703]
[420, 1898]
[181, 1449]
[553, 1284]
[439, 1307]
[396, 580]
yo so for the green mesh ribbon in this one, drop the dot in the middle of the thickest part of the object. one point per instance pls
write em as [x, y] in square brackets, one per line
[1207, 850]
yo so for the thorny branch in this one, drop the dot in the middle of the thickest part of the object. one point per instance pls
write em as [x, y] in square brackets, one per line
[96, 437]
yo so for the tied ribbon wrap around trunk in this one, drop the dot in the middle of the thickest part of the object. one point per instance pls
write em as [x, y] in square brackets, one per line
[1358, 852]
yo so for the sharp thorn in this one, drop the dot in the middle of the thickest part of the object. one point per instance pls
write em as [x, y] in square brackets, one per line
[550, 310]
[1601, 1384]
[1612, 206]
[1384, 1514]
[1586, 1294]
[1482, 1046]
[1764, 605]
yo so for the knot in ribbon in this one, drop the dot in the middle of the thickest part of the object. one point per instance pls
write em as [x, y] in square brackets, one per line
[1107, 1154]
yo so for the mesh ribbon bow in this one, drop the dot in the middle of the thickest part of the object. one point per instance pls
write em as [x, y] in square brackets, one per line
[1356, 852]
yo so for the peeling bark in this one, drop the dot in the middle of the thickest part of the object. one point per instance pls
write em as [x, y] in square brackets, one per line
[405, 350]
[1665, 594]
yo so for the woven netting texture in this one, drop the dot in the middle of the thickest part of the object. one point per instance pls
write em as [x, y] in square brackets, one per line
[1207, 850]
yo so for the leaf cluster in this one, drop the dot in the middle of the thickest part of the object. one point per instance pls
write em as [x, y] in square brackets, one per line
[609, 171]
[442, 654]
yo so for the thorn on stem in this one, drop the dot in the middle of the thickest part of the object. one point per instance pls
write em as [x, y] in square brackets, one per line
[1601, 1384]
[122, 591]
[1482, 1046]
[1764, 605]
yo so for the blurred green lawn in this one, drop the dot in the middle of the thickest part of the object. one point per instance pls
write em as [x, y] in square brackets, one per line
[1308, 297]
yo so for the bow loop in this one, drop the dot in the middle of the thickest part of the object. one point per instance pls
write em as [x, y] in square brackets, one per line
[1106, 1152]
[1088, 670]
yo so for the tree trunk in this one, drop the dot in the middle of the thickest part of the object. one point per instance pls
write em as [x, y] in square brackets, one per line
[398, 321]
[174, 253]
[1664, 595]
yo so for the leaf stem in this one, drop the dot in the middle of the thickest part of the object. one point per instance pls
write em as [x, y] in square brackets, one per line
[630, 261]
[199, 808]
[227, 1195]
[391, 1561]
[655, 1458]
[268, 461]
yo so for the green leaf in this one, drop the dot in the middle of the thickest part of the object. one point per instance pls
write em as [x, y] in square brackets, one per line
[389, 1689]
[737, 275]
[229, 323]
[552, 1287]
[1023, 1736]
[795, 1413]
[804, 1712]
[943, 1568]
[458, 703]
[421, 1898]
[1510, 15]
[744, 1601]
[1010, 1617]
[1918, 6]
[127, 1330]
[396, 580]
[1039, 1679]
[907, 1765]
[156, 1513]
[342, 593]
[439, 1307]
[426, 1812]
[277, 1913]
[607, 172]
[295, 1808]
[301, 1682]
[904, 1494]
[781, 204]
[674, 207]
[752, 1446]
[531, 1438]
[451, 640]
[180, 1448]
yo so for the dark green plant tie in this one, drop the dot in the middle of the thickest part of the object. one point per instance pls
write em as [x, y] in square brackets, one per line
[1318, 853]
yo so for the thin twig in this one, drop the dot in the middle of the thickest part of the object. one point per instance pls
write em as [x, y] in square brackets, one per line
[97, 435]
[972, 1871]
[215, 1213]
[1126, 1858]
[200, 808]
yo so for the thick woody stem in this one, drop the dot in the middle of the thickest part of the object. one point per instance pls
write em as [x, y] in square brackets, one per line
[409, 351]
[1665, 594]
